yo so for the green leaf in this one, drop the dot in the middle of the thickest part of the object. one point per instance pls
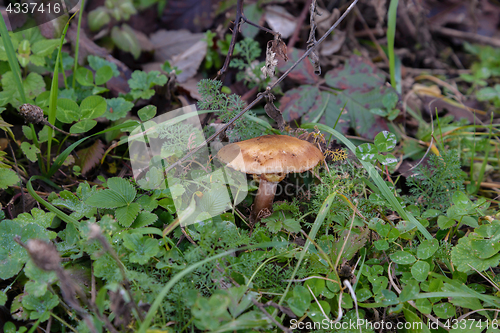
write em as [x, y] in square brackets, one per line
[273, 224]
[388, 160]
[417, 325]
[389, 297]
[427, 248]
[107, 199]
[444, 310]
[123, 187]
[402, 258]
[67, 111]
[385, 141]
[409, 291]
[420, 270]
[117, 108]
[381, 245]
[30, 151]
[37, 216]
[366, 152]
[3, 298]
[300, 301]
[40, 279]
[12, 255]
[142, 247]
[45, 47]
[8, 178]
[424, 305]
[463, 255]
[93, 107]
[96, 63]
[126, 40]
[317, 286]
[291, 225]
[85, 77]
[315, 312]
[144, 219]
[142, 82]
[98, 18]
[83, 126]
[147, 112]
[390, 100]
[445, 222]
[103, 75]
[40, 306]
[126, 215]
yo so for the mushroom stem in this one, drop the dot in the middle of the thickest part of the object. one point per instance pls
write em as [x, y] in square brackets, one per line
[264, 199]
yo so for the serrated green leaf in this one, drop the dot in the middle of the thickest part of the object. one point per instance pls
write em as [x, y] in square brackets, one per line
[40, 306]
[45, 47]
[291, 225]
[123, 187]
[30, 151]
[144, 219]
[37, 216]
[8, 178]
[462, 256]
[117, 108]
[126, 215]
[107, 199]
[98, 18]
[96, 62]
[410, 290]
[12, 255]
[142, 247]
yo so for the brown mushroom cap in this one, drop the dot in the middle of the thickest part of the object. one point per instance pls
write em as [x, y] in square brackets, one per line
[271, 154]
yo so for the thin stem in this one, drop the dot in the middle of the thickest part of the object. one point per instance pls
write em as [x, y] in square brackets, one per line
[82, 5]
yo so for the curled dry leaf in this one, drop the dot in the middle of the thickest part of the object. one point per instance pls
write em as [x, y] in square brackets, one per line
[274, 47]
[273, 112]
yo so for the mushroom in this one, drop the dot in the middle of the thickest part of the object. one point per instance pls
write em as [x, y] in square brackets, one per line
[269, 158]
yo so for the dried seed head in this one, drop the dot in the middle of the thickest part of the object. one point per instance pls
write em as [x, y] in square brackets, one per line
[32, 114]
[44, 255]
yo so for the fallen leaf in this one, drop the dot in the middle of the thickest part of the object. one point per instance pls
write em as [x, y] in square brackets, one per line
[182, 48]
[280, 20]
[89, 157]
[303, 73]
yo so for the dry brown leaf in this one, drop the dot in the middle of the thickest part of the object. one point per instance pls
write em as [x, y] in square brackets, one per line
[280, 20]
[89, 157]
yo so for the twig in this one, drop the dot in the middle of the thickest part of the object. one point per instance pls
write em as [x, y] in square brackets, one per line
[467, 36]
[236, 28]
[269, 88]
[300, 22]
[268, 315]
[372, 37]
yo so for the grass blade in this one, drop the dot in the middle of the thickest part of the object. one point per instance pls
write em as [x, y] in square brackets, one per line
[312, 235]
[54, 89]
[391, 33]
